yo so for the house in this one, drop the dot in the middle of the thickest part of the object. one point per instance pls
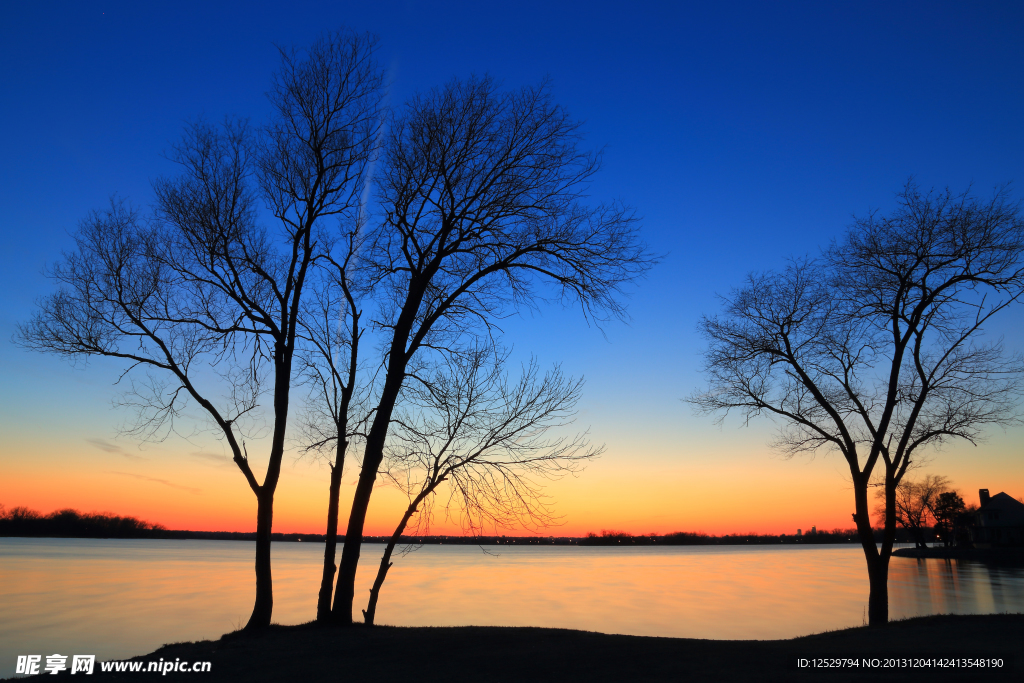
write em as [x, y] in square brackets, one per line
[998, 522]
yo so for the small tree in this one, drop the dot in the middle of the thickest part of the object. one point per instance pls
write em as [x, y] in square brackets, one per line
[202, 286]
[873, 351]
[482, 197]
[947, 510]
[467, 428]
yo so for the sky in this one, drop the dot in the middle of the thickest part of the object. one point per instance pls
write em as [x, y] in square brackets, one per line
[742, 133]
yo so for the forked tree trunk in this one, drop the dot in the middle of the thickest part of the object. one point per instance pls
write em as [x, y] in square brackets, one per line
[877, 558]
[264, 606]
[373, 455]
[323, 605]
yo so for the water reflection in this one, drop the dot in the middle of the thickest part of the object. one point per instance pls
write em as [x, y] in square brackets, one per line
[117, 598]
[919, 587]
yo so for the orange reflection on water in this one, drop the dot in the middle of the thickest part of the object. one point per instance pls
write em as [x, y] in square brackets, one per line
[117, 598]
[704, 592]
[920, 587]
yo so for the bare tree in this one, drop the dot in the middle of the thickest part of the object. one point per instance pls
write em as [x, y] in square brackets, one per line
[873, 350]
[482, 200]
[334, 418]
[914, 502]
[201, 284]
[470, 430]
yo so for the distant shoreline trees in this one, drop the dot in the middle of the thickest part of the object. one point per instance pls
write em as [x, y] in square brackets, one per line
[915, 505]
[69, 523]
[619, 538]
[929, 509]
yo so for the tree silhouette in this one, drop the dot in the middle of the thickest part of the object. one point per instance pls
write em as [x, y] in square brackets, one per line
[872, 350]
[482, 200]
[200, 300]
[947, 509]
[467, 428]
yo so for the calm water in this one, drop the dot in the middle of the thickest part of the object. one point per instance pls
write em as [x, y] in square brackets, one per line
[117, 598]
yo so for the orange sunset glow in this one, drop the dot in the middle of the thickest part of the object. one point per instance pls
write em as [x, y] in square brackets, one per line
[706, 489]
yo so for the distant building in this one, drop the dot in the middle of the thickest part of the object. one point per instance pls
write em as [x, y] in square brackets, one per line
[998, 522]
[799, 532]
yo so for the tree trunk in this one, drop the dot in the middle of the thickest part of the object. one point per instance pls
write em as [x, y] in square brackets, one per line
[323, 605]
[345, 591]
[385, 561]
[878, 580]
[877, 562]
[264, 606]
[878, 598]
[382, 572]
[373, 453]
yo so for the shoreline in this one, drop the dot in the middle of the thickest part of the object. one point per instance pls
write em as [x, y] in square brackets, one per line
[988, 555]
[483, 653]
[681, 539]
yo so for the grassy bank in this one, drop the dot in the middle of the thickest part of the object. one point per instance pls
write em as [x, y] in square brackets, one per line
[382, 653]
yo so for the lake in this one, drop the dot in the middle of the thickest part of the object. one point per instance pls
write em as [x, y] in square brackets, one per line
[120, 598]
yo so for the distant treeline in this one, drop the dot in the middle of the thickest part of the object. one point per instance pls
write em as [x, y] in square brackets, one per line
[698, 538]
[21, 521]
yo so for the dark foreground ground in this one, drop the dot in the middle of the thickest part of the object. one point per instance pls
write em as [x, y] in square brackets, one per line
[382, 653]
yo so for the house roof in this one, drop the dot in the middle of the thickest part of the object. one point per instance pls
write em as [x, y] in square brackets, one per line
[1009, 508]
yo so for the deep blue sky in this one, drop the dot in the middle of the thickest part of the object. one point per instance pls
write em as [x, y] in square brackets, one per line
[741, 132]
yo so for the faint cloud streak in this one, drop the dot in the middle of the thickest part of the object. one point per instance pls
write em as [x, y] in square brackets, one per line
[158, 481]
[108, 447]
[221, 460]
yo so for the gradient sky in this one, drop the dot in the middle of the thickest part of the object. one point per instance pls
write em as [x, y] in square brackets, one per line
[741, 132]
